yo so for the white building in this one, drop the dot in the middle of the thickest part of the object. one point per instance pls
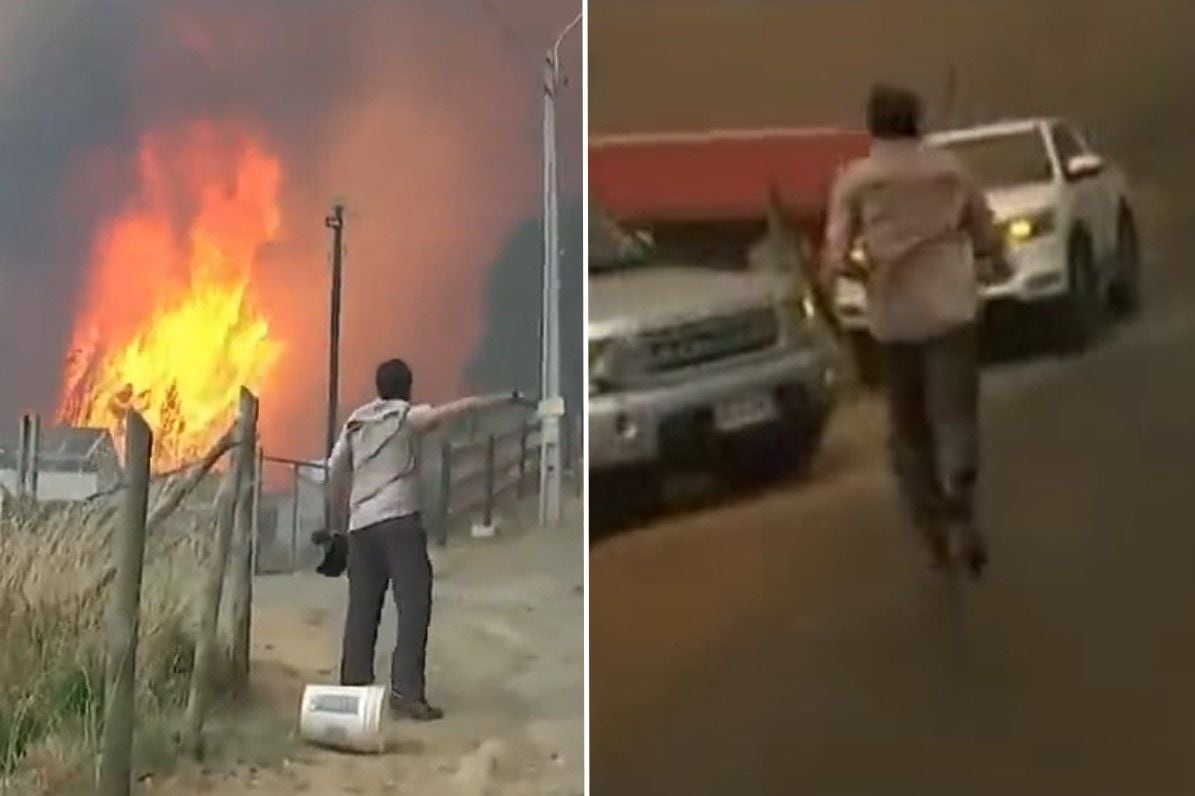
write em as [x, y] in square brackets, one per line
[73, 464]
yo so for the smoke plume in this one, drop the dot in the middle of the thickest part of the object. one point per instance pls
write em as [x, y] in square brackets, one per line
[423, 117]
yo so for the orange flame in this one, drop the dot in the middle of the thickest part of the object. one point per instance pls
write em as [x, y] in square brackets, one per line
[169, 326]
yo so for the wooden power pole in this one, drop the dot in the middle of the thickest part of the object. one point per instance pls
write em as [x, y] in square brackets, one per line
[334, 222]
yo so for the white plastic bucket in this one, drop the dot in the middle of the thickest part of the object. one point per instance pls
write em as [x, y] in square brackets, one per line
[344, 717]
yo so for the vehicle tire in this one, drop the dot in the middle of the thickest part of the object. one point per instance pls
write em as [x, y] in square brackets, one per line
[1080, 316]
[1126, 290]
[625, 497]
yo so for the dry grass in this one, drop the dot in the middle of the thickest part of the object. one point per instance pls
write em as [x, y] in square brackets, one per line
[53, 599]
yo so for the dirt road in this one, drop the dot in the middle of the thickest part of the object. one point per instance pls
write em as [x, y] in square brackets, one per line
[794, 643]
[505, 660]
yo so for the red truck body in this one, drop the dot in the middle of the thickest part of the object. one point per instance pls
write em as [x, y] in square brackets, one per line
[720, 177]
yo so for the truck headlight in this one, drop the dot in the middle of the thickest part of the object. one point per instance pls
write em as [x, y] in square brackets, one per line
[1029, 227]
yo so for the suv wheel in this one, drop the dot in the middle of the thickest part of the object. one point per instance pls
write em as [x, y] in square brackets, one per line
[624, 497]
[1126, 290]
[1081, 315]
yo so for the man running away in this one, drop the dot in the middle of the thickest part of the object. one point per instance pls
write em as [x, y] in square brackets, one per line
[374, 493]
[926, 239]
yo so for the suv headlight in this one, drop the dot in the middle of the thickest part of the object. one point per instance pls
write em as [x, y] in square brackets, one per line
[1029, 227]
[857, 256]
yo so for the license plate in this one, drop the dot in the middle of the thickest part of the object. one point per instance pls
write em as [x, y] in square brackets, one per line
[744, 412]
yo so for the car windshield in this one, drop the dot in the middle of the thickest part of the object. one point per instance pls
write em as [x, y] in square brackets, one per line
[722, 245]
[1005, 161]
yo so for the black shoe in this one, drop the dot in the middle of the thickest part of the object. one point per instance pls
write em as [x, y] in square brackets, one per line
[416, 709]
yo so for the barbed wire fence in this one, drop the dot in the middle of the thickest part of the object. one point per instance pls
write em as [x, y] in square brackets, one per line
[235, 511]
[69, 484]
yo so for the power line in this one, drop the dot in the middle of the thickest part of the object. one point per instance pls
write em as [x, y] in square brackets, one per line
[516, 42]
[513, 39]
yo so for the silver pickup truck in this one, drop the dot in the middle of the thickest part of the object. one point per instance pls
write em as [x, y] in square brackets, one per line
[685, 359]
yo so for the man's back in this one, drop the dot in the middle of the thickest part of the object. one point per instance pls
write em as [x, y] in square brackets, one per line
[919, 220]
[374, 468]
[381, 444]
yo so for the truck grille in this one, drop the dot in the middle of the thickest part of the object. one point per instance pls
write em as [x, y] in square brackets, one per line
[711, 339]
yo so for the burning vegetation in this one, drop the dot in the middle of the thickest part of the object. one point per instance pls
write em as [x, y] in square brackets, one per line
[169, 325]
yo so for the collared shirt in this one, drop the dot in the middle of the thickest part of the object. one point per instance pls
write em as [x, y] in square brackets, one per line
[374, 468]
[921, 222]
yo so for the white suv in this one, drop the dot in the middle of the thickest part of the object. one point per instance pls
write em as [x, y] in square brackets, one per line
[1066, 214]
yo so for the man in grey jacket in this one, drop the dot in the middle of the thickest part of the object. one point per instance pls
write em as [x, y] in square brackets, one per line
[928, 239]
[374, 493]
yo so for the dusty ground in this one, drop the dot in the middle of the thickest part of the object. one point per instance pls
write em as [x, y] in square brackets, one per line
[506, 661]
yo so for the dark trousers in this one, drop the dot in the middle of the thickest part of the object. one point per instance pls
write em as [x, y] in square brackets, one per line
[390, 553]
[932, 390]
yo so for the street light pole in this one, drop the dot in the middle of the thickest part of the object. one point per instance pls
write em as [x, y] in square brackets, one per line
[551, 403]
[334, 222]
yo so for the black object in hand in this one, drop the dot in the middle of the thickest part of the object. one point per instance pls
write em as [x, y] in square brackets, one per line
[336, 556]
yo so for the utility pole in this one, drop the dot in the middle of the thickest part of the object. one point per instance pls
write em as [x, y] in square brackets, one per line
[551, 403]
[334, 222]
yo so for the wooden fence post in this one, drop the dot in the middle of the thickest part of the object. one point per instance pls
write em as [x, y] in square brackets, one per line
[34, 454]
[240, 575]
[115, 775]
[206, 644]
[23, 455]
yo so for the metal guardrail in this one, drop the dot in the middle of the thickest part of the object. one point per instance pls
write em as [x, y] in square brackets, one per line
[469, 473]
[475, 473]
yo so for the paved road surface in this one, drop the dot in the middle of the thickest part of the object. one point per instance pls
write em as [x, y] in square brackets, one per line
[793, 643]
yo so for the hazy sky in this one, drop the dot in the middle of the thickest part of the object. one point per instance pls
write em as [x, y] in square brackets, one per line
[424, 116]
[1122, 67]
